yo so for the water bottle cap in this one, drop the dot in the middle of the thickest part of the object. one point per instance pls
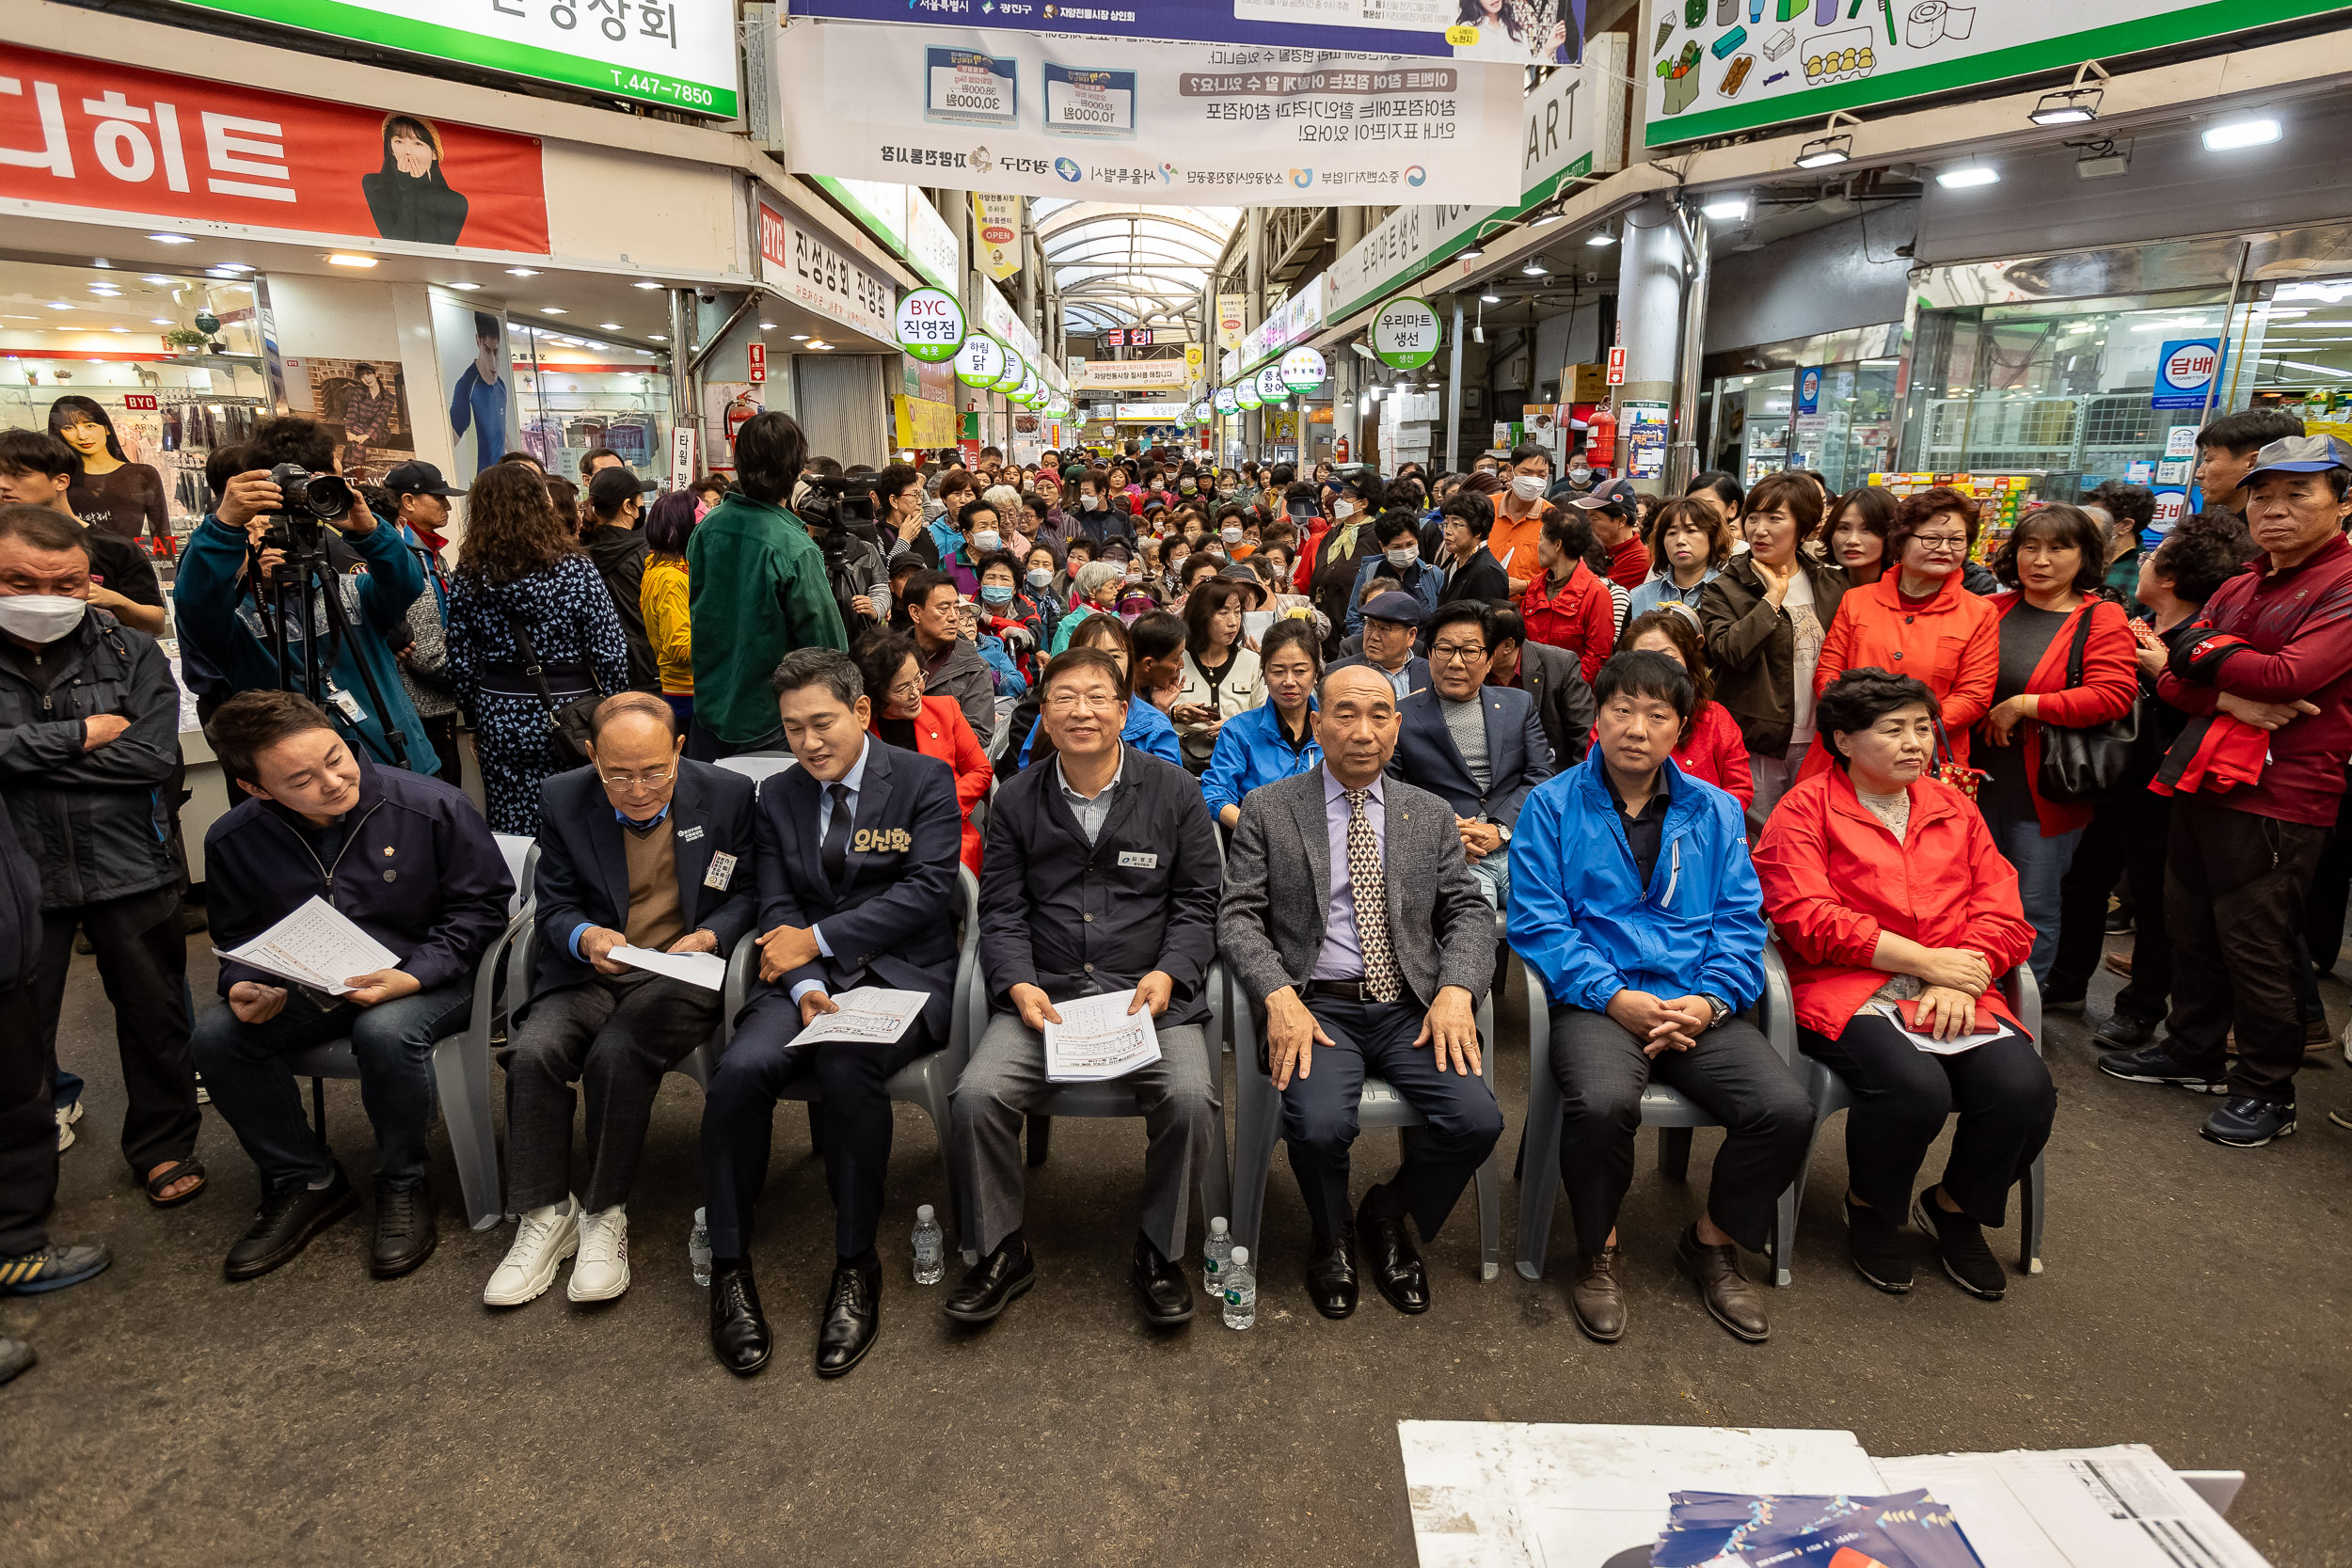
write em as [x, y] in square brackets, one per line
[1241, 1255]
[1216, 1226]
[922, 1214]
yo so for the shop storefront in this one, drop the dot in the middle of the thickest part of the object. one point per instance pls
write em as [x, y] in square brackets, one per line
[1825, 403]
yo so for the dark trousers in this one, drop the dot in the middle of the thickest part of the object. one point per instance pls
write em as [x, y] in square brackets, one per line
[2332, 887]
[1901, 1096]
[1375, 1039]
[704, 746]
[614, 1036]
[853, 1112]
[2234, 890]
[143, 965]
[2129, 837]
[441, 732]
[1731, 1073]
[28, 1127]
[254, 1088]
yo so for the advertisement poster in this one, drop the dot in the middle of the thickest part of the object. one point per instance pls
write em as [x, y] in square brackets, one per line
[88, 134]
[364, 404]
[795, 257]
[1232, 322]
[1523, 32]
[482, 414]
[1185, 123]
[997, 221]
[1646, 439]
[1714, 69]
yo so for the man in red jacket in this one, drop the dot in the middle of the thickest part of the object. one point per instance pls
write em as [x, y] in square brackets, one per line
[2273, 649]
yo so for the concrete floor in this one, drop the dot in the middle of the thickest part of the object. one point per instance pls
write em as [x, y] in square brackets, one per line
[2196, 1299]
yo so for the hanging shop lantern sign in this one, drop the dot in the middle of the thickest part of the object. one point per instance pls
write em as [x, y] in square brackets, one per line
[1227, 401]
[1246, 395]
[1203, 411]
[929, 325]
[1015, 371]
[980, 360]
[1270, 385]
[1303, 370]
[1405, 333]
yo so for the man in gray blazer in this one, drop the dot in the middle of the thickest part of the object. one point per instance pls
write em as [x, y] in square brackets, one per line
[1355, 928]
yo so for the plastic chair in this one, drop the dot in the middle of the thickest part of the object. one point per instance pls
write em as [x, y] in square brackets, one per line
[927, 1082]
[1663, 1107]
[1260, 1127]
[1830, 1095]
[522, 860]
[756, 765]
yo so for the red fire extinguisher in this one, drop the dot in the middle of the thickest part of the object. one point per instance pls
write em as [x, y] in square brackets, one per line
[1338, 450]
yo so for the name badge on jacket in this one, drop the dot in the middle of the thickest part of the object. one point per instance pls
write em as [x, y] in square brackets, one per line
[688, 835]
[881, 841]
[1138, 858]
[722, 871]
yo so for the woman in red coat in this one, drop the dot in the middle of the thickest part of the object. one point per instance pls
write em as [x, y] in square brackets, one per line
[1711, 747]
[1890, 901]
[936, 726]
[2055, 561]
[1565, 604]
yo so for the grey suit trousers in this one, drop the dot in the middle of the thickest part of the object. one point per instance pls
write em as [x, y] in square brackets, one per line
[1005, 1081]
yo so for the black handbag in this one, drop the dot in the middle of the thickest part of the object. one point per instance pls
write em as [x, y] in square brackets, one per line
[567, 721]
[2099, 762]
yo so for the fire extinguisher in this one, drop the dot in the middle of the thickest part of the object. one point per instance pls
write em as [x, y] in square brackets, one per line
[1338, 450]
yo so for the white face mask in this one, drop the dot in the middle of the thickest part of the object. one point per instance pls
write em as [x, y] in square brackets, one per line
[1403, 556]
[988, 539]
[1528, 487]
[1090, 503]
[40, 617]
[1040, 576]
[1232, 535]
[1580, 475]
[1341, 511]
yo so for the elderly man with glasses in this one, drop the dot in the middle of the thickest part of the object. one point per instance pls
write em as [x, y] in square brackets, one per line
[639, 850]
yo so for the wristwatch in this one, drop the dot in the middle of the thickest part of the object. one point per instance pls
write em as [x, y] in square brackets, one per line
[1721, 1007]
[1502, 835]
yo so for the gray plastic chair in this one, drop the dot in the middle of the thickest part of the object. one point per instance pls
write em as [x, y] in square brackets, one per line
[757, 766]
[1830, 1095]
[1664, 1108]
[1259, 1127]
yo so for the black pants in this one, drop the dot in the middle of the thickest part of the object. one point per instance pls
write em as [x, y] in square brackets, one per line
[441, 732]
[1731, 1073]
[28, 1127]
[1319, 1112]
[2234, 893]
[1901, 1096]
[703, 745]
[2332, 887]
[2127, 837]
[740, 1117]
[143, 965]
[614, 1037]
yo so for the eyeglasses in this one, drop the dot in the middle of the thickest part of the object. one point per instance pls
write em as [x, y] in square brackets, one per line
[653, 779]
[906, 690]
[1461, 652]
[1071, 702]
[1942, 544]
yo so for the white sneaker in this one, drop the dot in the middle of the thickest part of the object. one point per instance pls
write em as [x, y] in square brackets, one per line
[602, 1271]
[540, 1248]
[67, 1117]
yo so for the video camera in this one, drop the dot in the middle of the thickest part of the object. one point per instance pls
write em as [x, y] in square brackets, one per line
[306, 503]
[834, 508]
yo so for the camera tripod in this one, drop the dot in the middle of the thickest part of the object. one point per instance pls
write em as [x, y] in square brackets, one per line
[305, 659]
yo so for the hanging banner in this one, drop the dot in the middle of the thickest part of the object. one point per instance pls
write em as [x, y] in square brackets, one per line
[1099, 119]
[980, 360]
[1232, 322]
[1524, 33]
[996, 219]
[1303, 370]
[929, 324]
[1405, 333]
[798, 259]
[1714, 72]
[110, 138]
[1132, 374]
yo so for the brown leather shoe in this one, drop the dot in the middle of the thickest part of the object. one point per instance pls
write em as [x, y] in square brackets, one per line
[1731, 1297]
[1596, 1298]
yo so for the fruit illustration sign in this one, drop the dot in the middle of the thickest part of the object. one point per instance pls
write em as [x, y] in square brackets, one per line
[1715, 67]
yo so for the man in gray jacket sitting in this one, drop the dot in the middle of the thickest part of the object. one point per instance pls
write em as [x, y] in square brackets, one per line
[1353, 922]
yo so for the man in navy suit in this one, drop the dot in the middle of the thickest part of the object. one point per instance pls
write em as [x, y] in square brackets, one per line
[1481, 747]
[858, 850]
[640, 849]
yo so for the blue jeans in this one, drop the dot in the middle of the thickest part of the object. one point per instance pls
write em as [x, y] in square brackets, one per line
[2041, 865]
[1494, 878]
[254, 1088]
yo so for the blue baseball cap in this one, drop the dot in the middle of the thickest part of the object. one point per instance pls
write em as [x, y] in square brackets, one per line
[2300, 454]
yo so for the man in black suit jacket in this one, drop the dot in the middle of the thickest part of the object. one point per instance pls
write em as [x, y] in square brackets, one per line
[1554, 677]
[858, 849]
[638, 848]
[1471, 571]
[1481, 747]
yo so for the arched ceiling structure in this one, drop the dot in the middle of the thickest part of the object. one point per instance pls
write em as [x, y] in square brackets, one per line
[1121, 267]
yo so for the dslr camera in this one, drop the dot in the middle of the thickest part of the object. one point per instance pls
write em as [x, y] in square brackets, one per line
[835, 508]
[306, 501]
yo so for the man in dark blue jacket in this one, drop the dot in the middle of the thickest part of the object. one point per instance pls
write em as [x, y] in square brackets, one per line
[1634, 900]
[858, 849]
[638, 852]
[411, 863]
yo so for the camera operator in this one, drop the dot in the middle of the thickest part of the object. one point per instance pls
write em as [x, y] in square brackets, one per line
[832, 511]
[226, 613]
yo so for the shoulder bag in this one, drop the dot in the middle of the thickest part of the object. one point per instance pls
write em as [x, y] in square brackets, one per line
[2098, 762]
[567, 717]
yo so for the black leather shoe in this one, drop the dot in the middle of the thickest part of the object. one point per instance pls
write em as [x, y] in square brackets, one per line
[1731, 1297]
[739, 1334]
[1161, 1286]
[1390, 1257]
[284, 1223]
[853, 1319]
[405, 1233]
[992, 1282]
[1331, 1275]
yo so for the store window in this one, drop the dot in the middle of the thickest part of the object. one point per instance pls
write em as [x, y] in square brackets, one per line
[2294, 350]
[577, 396]
[1833, 418]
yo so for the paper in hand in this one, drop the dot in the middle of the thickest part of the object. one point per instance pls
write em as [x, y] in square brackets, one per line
[318, 946]
[1097, 1038]
[869, 1013]
[1986, 1031]
[706, 969]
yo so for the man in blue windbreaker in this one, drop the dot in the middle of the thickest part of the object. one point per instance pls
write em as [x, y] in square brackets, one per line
[1633, 898]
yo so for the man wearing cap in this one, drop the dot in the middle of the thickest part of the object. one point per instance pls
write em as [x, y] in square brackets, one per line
[2256, 779]
[1391, 623]
[421, 500]
[1610, 509]
[616, 543]
[1335, 560]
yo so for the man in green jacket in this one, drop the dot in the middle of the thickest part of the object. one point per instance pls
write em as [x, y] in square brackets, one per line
[756, 589]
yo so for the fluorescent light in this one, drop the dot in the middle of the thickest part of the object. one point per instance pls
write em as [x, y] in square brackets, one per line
[2067, 106]
[1967, 177]
[1824, 151]
[800, 337]
[1533, 269]
[158, 278]
[552, 310]
[656, 337]
[2232, 136]
[647, 284]
[609, 327]
[1601, 237]
[118, 329]
[522, 272]
[162, 320]
[1490, 299]
[1548, 217]
[467, 287]
[348, 259]
[60, 304]
[767, 327]
[171, 239]
[231, 267]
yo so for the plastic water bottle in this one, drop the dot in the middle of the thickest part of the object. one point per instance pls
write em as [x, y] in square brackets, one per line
[1214, 1253]
[930, 1247]
[1241, 1290]
[698, 1250]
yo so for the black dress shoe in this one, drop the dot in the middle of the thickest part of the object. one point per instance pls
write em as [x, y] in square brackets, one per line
[1161, 1286]
[739, 1334]
[852, 1317]
[405, 1233]
[990, 1283]
[1390, 1256]
[1331, 1275]
[285, 1223]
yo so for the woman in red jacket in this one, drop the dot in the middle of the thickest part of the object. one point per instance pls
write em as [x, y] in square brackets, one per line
[1566, 606]
[1889, 899]
[1711, 747]
[2056, 561]
[936, 726]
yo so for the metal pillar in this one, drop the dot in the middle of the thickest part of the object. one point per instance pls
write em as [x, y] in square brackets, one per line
[1253, 245]
[1453, 397]
[684, 393]
[1682, 455]
[1649, 311]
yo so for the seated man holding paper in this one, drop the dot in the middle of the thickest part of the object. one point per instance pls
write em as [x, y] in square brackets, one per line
[642, 856]
[1354, 923]
[1098, 886]
[397, 889]
[858, 849]
[1898, 917]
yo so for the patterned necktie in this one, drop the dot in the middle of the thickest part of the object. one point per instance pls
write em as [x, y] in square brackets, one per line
[835, 850]
[1370, 881]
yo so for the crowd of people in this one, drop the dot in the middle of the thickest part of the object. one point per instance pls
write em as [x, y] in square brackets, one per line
[1342, 731]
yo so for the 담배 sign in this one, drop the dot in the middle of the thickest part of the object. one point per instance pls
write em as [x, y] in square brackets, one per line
[929, 325]
[2185, 368]
[1809, 389]
[1405, 333]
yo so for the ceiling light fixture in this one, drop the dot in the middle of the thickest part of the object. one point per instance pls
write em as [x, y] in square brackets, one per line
[1726, 207]
[800, 337]
[1832, 147]
[1551, 216]
[2236, 134]
[162, 320]
[1968, 177]
[1470, 252]
[60, 304]
[350, 259]
[467, 287]
[1535, 269]
[156, 277]
[647, 283]
[655, 337]
[608, 326]
[522, 272]
[2078, 104]
[2102, 159]
[1483, 299]
[231, 267]
[767, 327]
[171, 239]
[553, 311]
[1601, 238]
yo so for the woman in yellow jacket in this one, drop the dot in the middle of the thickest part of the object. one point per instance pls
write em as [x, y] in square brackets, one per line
[661, 594]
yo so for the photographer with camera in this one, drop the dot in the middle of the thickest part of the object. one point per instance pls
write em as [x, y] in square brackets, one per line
[839, 516]
[288, 530]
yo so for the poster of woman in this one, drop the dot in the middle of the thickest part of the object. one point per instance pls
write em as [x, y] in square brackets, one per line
[410, 198]
[364, 404]
[1524, 32]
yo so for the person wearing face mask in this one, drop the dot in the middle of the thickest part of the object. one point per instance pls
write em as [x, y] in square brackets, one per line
[1100, 585]
[90, 771]
[1519, 518]
[1036, 590]
[1397, 533]
[1007, 616]
[1093, 503]
[1334, 562]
